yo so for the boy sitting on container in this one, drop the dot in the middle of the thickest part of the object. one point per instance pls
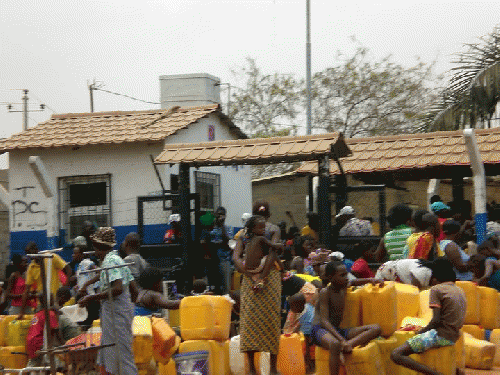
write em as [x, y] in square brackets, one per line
[448, 305]
[329, 313]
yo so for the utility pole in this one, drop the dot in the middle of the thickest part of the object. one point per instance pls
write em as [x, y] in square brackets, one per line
[26, 109]
[308, 93]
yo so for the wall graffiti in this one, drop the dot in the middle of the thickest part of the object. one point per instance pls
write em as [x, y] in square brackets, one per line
[27, 213]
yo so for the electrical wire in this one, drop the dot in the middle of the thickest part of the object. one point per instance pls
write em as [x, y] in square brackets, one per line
[125, 96]
[42, 102]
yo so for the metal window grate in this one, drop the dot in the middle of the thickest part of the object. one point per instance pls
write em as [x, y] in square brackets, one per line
[207, 185]
[83, 198]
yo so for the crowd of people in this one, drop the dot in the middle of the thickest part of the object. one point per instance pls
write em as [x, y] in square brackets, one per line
[280, 270]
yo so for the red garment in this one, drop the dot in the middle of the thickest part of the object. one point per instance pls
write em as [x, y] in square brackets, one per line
[18, 288]
[361, 269]
[171, 236]
[441, 233]
[34, 338]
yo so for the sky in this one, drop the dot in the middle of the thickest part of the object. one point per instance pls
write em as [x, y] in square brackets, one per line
[55, 48]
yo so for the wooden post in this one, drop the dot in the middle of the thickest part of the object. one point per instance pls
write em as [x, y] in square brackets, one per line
[324, 202]
[184, 209]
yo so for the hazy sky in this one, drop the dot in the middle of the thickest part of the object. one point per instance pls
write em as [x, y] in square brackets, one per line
[54, 47]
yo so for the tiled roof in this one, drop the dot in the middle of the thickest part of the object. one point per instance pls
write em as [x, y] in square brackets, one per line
[254, 151]
[83, 129]
[413, 151]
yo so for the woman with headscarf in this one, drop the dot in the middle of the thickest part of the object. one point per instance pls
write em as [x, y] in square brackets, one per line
[116, 314]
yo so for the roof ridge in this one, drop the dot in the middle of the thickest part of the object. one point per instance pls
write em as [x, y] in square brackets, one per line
[162, 116]
[59, 116]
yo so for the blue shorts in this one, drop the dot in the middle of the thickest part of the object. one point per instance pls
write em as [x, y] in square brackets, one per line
[427, 340]
[317, 332]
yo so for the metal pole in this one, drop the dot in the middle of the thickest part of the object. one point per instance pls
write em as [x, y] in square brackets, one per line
[91, 90]
[228, 98]
[308, 95]
[25, 110]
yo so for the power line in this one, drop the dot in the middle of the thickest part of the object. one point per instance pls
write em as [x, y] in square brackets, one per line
[41, 101]
[125, 96]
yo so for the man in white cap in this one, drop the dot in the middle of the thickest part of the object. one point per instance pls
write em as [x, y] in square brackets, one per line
[351, 225]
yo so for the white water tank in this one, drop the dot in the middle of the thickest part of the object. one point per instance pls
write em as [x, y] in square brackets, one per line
[189, 90]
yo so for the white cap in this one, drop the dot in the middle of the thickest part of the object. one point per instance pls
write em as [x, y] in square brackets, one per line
[346, 210]
[174, 217]
[80, 241]
[245, 217]
[75, 313]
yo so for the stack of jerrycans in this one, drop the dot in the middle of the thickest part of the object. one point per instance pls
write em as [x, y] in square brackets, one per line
[205, 323]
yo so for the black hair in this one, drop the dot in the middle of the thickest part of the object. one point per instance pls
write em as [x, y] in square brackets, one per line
[220, 209]
[480, 261]
[17, 259]
[298, 245]
[64, 293]
[252, 222]
[451, 226]
[399, 214]
[297, 298]
[417, 219]
[30, 245]
[292, 231]
[331, 267]
[199, 286]
[150, 277]
[435, 198]
[442, 270]
[261, 207]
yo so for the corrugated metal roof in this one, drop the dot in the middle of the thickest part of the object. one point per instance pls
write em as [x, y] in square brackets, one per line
[254, 151]
[413, 151]
[83, 129]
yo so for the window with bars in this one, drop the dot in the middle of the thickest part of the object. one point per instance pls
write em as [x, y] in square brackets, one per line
[207, 185]
[83, 198]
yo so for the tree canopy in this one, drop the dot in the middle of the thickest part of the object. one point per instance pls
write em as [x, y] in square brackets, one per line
[358, 96]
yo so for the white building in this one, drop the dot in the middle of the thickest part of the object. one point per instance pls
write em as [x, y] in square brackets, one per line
[100, 163]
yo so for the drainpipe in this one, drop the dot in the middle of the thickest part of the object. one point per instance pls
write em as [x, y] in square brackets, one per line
[432, 189]
[477, 167]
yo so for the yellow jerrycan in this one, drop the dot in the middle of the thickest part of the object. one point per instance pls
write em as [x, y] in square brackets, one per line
[441, 359]
[290, 356]
[479, 354]
[364, 360]
[489, 307]
[9, 358]
[407, 301]
[4, 328]
[215, 349]
[143, 339]
[475, 331]
[386, 346]
[471, 290]
[17, 332]
[352, 309]
[205, 318]
[378, 306]
[495, 339]
[165, 341]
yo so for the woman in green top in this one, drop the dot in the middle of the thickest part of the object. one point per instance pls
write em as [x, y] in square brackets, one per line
[392, 244]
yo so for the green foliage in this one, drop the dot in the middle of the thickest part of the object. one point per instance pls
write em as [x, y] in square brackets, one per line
[474, 88]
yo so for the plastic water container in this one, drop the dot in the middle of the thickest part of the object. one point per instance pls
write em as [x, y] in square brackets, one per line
[378, 305]
[475, 331]
[460, 351]
[4, 328]
[352, 309]
[168, 369]
[165, 341]
[290, 356]
[96, 323]
[236, 358]
[489, 307]
[495, 339]
[205, 318]
[441, 359]
[412, 321]
[10, 360]
[386, 346]
[322, 360]
[479, 354]
[401, 337]
[407, 301]
[216, 356]
[149, 368]
[365, 360]
[143, 339]
[17, 331]
[473, 312]
[425, 312]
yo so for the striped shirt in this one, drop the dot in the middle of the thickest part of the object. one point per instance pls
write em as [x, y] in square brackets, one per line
[395, 241]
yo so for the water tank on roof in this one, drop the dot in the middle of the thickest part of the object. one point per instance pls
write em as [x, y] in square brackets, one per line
[188, 90]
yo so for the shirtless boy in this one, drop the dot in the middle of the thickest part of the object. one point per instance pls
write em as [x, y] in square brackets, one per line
[329, 313]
